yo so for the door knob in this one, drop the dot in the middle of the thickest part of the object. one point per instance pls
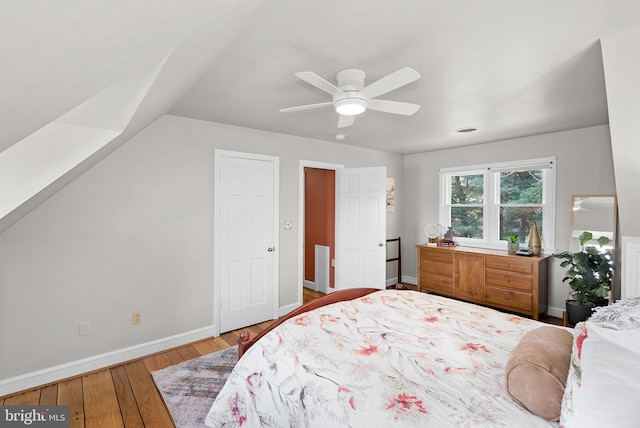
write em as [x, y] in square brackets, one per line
[270, 249]
[380, 244]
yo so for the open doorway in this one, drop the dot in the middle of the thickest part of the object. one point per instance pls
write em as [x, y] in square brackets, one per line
[359, 227]
[319, 229]
[302, 290]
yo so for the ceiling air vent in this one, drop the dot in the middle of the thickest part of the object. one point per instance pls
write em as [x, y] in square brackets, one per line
[466, 130]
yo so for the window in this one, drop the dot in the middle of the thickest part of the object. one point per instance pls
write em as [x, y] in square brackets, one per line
[485, 204]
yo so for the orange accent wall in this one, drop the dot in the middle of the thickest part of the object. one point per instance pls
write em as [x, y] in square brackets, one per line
[320, 218]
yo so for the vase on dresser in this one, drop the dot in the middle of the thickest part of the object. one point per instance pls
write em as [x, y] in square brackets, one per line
[534, 240]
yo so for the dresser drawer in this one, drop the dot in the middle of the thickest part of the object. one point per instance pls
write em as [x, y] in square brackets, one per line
[490, 277]
[436, 283]
[437, 268]
[508, 299]
[436, 255]
[509, 280]
[509, 263]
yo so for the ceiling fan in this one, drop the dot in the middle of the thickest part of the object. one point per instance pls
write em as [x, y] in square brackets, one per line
[577, 205]
[351, 97]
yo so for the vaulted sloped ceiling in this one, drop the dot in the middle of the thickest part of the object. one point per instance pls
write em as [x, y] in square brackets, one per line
[80, 78]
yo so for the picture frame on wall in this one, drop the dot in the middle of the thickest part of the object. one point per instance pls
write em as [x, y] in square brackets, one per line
[391, 195]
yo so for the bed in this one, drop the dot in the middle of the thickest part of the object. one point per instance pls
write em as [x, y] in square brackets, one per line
[387, 358]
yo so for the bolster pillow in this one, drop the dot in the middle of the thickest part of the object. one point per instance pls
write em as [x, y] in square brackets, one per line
[537, 370]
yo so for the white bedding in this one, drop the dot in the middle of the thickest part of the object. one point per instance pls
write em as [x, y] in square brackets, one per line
[392, 358]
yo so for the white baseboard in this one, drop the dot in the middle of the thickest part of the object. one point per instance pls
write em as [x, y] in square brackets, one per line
[409, 279]
[391, 281]
[284, 310]
[108, 359]
[555, 312]
[309, 284]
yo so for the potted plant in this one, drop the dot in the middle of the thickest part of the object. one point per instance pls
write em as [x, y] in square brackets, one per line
[513, 244]
[589, 274]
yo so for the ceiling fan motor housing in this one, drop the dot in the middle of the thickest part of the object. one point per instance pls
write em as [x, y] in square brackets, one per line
[350, 80]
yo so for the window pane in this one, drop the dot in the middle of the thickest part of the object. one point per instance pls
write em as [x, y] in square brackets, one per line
[517, 221]
[467, 222]
[467, 189]
[521, 187]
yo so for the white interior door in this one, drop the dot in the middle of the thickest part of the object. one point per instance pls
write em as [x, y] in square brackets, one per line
[362, 228]
[246, 233]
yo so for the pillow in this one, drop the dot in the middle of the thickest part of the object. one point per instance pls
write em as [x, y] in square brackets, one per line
[604, 378]
[622, 315]
[537, 370]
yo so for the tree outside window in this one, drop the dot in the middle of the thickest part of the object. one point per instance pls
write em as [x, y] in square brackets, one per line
[486, 204]
[467, 205]
[520, 202]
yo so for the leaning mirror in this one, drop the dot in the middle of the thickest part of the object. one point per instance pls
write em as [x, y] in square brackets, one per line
[595, 214]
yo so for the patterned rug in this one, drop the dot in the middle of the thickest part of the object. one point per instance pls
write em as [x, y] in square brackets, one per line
[190, 387]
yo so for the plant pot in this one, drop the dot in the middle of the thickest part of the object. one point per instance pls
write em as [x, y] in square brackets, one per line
[513, 247]
[577, 313]
[600, 302]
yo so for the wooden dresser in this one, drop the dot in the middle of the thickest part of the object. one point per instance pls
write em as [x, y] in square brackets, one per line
[488, 277]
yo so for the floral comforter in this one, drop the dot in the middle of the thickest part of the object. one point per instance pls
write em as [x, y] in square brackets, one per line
[392, 358]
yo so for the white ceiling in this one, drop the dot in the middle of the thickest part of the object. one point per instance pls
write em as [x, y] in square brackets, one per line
[509, 67]
[56, 55]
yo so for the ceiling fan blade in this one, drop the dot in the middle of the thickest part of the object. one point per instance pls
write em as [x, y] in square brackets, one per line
[390, 82]
[344, 121]
[305, 107]
[395, 107]
[313, 79]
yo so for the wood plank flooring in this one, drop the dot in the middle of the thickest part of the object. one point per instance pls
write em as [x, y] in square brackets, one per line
[125, 396]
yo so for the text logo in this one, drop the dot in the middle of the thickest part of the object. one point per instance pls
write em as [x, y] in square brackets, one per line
[34, 416]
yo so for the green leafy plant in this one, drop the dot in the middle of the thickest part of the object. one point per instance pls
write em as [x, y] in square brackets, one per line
[514, 239]
[590, 271]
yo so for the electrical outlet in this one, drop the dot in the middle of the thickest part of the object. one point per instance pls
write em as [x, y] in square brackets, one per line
[137, 318]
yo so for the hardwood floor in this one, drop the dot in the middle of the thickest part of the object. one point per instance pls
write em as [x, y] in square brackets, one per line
[125, 396]
[310, 295]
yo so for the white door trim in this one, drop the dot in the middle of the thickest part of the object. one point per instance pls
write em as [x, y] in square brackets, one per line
[216, 230]
[309, 164]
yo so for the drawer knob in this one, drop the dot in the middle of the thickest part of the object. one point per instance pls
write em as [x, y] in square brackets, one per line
[506, 297]
[435, 268]
[507, 265]
[507, 279]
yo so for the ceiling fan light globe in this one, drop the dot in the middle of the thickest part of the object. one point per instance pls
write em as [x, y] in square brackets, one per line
[350, 106]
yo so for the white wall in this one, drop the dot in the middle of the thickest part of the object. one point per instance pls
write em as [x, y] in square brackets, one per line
[621, 70]
[135, 233]
[584, 167]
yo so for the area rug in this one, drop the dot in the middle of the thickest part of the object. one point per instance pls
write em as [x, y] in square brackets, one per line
[189, 388]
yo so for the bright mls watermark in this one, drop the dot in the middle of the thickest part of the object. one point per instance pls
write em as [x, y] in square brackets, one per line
[34, 416]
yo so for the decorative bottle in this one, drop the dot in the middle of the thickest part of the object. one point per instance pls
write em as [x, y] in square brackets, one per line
[534, 239]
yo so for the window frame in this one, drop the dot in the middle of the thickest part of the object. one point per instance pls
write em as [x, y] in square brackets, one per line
[491, 208]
